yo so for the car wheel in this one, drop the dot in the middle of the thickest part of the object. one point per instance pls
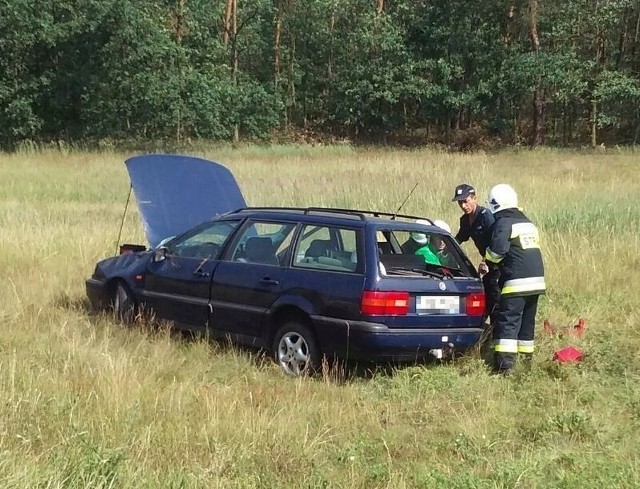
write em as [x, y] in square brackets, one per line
[124, 305]
[295, 349]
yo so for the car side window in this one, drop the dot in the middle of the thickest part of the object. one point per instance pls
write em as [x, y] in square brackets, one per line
[204, 242]
[327, 248]
[263, 242]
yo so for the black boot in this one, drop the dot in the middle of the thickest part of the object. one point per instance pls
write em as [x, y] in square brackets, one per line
[504, 363]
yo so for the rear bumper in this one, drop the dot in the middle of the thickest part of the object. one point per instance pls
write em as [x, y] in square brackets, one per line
[374, 341]
[97, 293]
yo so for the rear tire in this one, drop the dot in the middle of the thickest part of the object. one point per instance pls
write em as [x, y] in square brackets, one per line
[295, 349]
[124, 305]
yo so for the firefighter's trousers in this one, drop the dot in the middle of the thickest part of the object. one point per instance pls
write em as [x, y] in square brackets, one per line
[514, 330]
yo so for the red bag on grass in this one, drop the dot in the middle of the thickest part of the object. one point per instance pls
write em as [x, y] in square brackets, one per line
[569, 354]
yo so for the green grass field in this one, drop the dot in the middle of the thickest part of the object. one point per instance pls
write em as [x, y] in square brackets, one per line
[86, 403]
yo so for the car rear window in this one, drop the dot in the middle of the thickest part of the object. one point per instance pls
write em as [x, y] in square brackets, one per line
[419, 252]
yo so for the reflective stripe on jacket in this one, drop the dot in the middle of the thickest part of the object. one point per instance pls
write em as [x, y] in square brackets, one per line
[515, 247]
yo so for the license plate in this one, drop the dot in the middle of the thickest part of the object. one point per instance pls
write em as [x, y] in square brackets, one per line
[437, 304]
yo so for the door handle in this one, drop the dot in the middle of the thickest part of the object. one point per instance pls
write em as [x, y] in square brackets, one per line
[268, 281]
[200, 273]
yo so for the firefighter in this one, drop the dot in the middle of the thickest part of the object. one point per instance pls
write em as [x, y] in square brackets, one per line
[515, 247]
[475, 224]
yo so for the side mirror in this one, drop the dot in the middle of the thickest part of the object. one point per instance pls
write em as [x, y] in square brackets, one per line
[160, 254]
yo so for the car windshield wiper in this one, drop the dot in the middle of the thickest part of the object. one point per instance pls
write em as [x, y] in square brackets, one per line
[425, 271]
[413, 271]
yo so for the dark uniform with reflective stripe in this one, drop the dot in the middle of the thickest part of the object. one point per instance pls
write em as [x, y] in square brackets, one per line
[515, 247]
[477, 227]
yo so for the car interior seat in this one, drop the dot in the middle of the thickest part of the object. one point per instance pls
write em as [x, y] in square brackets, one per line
[318, 248]
[322, 251]
[260, 250]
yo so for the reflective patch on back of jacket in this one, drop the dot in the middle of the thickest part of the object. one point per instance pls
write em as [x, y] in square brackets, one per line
[527, 235]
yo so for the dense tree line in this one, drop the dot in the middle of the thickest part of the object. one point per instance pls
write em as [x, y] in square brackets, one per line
[453, 71]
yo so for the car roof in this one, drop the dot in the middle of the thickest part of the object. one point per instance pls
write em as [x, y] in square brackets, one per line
[353, 217]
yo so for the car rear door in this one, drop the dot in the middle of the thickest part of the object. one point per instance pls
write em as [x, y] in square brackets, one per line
[327, 274]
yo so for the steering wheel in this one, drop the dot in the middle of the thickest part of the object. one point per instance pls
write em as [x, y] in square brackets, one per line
[209, 249]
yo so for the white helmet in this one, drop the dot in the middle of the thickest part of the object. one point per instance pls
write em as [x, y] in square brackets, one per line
[502, 197]
[442, 225]
[421, 238]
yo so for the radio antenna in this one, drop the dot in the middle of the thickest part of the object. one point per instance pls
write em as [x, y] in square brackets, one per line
[404, 201]
[126, 206]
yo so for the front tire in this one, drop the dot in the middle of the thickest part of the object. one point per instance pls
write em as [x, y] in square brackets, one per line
[124, 305]
[295, 349]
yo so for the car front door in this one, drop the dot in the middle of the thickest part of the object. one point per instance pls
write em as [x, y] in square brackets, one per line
[178, 280]
[250, 278]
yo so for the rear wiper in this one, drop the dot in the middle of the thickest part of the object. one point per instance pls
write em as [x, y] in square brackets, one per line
[399, 271]
[412, 271]
[425, 271]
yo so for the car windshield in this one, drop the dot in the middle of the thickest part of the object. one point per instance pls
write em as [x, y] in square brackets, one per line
[421, 253]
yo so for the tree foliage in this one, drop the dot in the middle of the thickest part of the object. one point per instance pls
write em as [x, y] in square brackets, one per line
[417, 70]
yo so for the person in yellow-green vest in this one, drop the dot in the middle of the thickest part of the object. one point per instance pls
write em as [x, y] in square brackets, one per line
[515, 247]
[433, 249]
[439, 245]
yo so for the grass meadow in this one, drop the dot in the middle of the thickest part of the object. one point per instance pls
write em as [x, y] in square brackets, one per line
[86, 403]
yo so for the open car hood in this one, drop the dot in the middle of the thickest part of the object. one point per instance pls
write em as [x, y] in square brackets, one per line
[174, 193]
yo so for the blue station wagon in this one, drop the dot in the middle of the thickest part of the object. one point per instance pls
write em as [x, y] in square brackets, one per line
[302, 283]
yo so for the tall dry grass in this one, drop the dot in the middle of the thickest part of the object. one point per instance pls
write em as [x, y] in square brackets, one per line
[86, 403]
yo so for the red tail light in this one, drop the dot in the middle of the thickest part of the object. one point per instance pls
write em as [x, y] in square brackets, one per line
[384, 303]
[476, 304]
